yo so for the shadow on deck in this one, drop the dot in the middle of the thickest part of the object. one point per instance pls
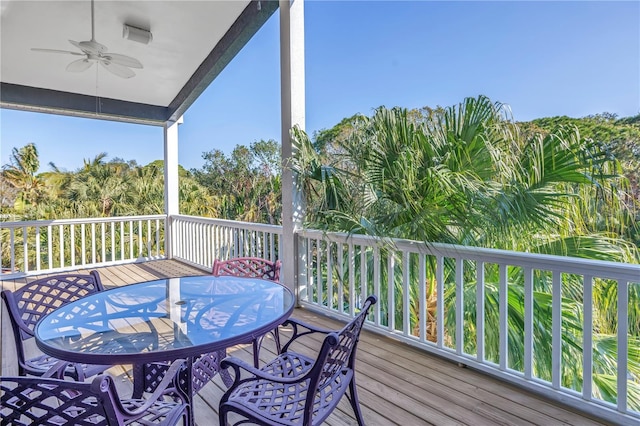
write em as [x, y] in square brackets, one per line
[397, 384]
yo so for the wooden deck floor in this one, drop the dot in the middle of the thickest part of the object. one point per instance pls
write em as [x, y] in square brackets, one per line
[397, 384]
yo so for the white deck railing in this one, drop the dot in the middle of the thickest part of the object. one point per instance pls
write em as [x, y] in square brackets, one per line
[56, 245]
[198, 240]
[443, 298]
[457, 302]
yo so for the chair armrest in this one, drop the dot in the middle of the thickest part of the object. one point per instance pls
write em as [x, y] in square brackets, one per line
[168, 379]
[237, 364]
[301, 328]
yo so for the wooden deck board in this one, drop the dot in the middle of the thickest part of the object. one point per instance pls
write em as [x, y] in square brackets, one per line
[397, 384]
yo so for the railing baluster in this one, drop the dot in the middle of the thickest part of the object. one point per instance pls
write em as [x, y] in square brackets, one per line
[72, 243]
[319, 272]
[309, 268]
[93, 243]
[480, 311]
[208, 259]
[197, 250]
[37, 248]
[376, 282]
[61, 242]
[391, 299]
[131, 239]
[113, 241]
[266, 247]
[406, 310]
[503, 313]
[422, 303]
[459, 306]
[340, 254]
[49, 246]
[329, 277]
[528, 322]
[587, 345]
[352, 279]
[82, 244]
[623, 344]
[103, 244]
[363, 274]
[12, 239]
[440, 300]
[272, 246]
[150, 239]
[122, 238]
[157, 242]
[556, 335]
[140, 240]
[25, 248]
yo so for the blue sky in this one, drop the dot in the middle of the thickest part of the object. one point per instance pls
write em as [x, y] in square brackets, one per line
[542, 58]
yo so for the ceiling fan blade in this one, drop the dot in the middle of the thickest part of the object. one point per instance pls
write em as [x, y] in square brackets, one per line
[35, 49]
[79, 65]
[124, 60]
[119, 70]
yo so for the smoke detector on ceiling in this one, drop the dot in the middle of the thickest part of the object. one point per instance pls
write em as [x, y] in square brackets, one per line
[136, 34]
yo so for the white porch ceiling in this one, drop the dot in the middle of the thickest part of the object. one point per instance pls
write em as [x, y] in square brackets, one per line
[192, 42]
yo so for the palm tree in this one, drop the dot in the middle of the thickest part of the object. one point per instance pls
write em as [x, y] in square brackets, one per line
[21, 174]
[466, 175]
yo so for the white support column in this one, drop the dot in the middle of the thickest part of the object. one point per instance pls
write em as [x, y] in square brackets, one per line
[292, 82]
[171, 201]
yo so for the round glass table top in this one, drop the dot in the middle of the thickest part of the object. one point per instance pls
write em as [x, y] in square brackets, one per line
[164, 319]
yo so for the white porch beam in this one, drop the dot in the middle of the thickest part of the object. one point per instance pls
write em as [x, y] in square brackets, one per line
[292, 83]
[171, 193]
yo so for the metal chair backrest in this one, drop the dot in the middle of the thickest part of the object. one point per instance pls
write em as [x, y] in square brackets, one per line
[248, 267]
[38, 298]
[30, 400]
[336, 358]
[40, 401]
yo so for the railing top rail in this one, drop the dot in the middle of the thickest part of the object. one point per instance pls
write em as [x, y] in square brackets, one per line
[41, 223]
[274, 229]
[564, 264]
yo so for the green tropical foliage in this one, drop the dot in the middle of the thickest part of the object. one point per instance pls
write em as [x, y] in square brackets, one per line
[246, 184]
[620, 137]
[470, 175]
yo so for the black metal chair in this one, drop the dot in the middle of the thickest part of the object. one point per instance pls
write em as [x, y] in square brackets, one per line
[38, 298]
[51, 401]
[251, 267]
[295, 389]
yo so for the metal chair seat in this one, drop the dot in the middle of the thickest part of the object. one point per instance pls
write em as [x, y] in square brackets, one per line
[39, 365]
[289, 364]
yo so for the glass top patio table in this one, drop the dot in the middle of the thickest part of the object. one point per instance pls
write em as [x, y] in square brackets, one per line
[164, 320]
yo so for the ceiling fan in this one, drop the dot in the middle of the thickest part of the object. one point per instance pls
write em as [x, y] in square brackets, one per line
[93, 51]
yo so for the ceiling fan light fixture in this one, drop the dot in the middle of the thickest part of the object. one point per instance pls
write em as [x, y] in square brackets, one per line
[136, 34]
[93, 51]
